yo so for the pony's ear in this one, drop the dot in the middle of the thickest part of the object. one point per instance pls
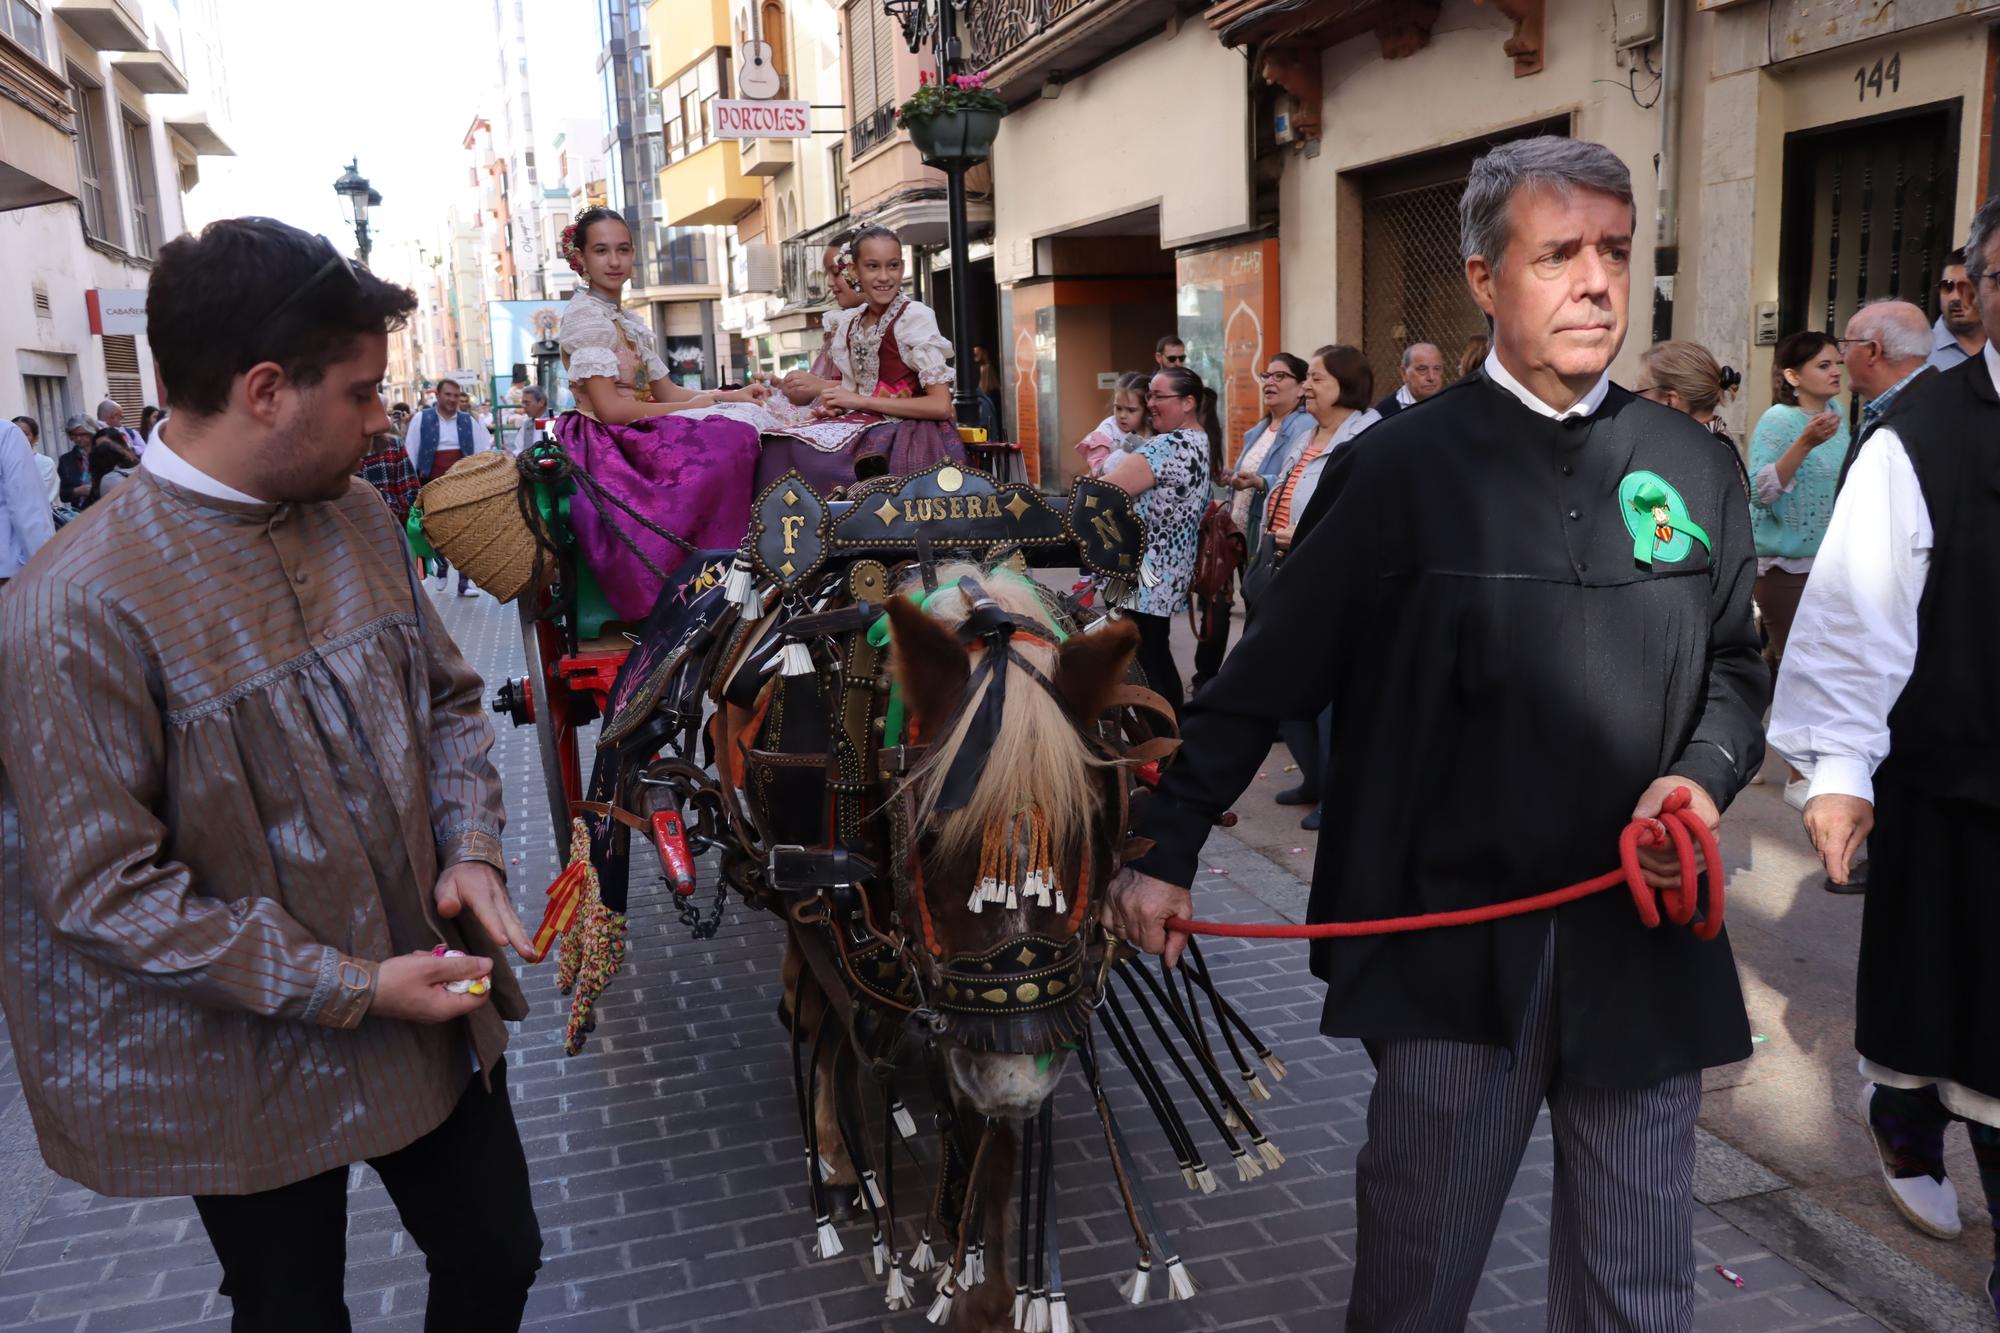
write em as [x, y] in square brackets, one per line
[930, 664]
[1090, 666]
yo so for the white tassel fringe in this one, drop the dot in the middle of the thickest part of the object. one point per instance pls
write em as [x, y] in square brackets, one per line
[795, 659]
[906, 1124]
[1246, 1168]
[881, 1254]
[1058, 1314]
[1269, 1152]
[1136, 1287]
[921, 1258]
[1180, 1286]
[1258, 1090]
[1020, 1311]
[898, 1297]
[941, 1307]
[1038, 1314]
[1206, 1179]
[829, 1239]
[874, 1190]
[1277, 1068]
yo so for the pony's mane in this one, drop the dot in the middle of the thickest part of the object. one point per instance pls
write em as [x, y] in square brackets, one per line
[1039, 758]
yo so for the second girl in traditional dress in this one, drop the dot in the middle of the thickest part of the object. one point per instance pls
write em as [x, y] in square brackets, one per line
[653, 444]
[892, 411]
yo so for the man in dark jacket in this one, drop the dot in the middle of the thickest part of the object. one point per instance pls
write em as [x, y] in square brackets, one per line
[1423, 376]
[1519, 664]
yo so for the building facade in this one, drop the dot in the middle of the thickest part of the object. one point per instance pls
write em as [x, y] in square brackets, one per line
[102, 129]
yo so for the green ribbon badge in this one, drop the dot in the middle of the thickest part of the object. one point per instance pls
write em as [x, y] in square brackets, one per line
[1658, 519]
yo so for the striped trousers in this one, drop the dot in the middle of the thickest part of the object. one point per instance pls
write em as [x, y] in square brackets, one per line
[1447, 1124]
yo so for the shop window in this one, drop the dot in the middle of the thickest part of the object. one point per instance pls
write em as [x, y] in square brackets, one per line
[1412, 274]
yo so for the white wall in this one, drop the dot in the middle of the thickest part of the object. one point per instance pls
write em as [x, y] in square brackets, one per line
[1460, 87]
[1165, 123]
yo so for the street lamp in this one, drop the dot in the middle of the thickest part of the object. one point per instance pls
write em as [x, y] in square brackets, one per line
[360, 196]
[936, 21]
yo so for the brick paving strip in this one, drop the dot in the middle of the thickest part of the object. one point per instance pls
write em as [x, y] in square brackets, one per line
[669, 1174]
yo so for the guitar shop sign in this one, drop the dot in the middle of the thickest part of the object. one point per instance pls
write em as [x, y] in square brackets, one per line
[739, 119]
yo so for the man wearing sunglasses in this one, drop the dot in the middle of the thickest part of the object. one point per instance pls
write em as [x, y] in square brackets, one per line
[1958, 335]
[245, 794]
[1169, 351]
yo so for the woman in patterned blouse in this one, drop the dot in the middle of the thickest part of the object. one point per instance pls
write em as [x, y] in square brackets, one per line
[1169, 474]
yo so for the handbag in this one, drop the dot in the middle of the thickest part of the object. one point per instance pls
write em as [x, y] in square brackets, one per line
[1219, 552]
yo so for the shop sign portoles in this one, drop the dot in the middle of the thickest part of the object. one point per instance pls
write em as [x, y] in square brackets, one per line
[737, 119]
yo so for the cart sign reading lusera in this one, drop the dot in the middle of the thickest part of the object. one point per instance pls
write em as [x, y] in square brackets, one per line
[762, 120]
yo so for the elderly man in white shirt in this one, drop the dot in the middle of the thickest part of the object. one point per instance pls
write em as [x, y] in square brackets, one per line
[1890, 705]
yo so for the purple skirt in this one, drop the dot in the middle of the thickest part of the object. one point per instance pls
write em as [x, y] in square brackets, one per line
[894, 447]
[691, 477]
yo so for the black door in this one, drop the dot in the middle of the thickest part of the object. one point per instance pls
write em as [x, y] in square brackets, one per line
[1867, 215]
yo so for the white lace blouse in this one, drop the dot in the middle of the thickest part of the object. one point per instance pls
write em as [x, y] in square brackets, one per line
[857, 347]
[600, 338]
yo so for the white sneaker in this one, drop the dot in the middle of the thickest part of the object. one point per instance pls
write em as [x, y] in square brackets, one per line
[1795, 793]
[1931, 1206]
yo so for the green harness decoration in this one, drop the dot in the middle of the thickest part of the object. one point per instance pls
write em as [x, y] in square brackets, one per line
[1658, 519]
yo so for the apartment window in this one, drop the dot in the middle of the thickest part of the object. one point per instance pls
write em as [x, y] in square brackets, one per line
[139, 184]
[871, 55]
[22, 21]
[773, 22]
[687, 108]
[121, 373]
[837, 178]
[93, 151]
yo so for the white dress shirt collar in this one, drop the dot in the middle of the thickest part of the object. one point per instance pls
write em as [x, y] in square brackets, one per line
[1992, 363]
[1404, 396]
[1582, 407]
[161, 460]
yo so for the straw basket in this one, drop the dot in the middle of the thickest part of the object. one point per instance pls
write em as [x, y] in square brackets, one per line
[472, 516]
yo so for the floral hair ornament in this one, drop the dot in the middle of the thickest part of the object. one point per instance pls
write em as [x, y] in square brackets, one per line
[568, 247]
[844, 266]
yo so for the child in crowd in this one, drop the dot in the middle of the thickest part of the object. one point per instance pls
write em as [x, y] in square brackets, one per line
[1106, 447]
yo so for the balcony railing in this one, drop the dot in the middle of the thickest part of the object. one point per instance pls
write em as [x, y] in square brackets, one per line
[873, 128]
[994, 28]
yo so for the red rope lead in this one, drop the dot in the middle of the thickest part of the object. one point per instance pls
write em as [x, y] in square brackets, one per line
[1677, 823]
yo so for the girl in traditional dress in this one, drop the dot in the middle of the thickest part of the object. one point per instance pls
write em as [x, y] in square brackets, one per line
[892, 411]
[668, 452]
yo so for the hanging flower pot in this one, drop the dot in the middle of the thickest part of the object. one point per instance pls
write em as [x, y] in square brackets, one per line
[960, 136]
[952, 120]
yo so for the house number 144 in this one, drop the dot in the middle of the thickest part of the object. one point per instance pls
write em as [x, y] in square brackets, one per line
[1868, 80]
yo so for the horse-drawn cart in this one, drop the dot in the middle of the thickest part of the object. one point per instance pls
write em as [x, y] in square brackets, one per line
[921, 761]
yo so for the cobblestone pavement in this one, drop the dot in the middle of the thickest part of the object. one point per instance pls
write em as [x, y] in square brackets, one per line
[668, 1174]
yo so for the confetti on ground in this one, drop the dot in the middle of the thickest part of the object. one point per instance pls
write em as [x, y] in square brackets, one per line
[1218, 870]
[1263, 775]
[1759, 1037]
[1297, 850]
[1729, 1277]
[1291, 768]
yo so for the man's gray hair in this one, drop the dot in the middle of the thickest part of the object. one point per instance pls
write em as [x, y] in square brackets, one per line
[1900, 328]
[82, 422]
[1548, 162]
[1985, 223]
[108, 406]
[1411, 351]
